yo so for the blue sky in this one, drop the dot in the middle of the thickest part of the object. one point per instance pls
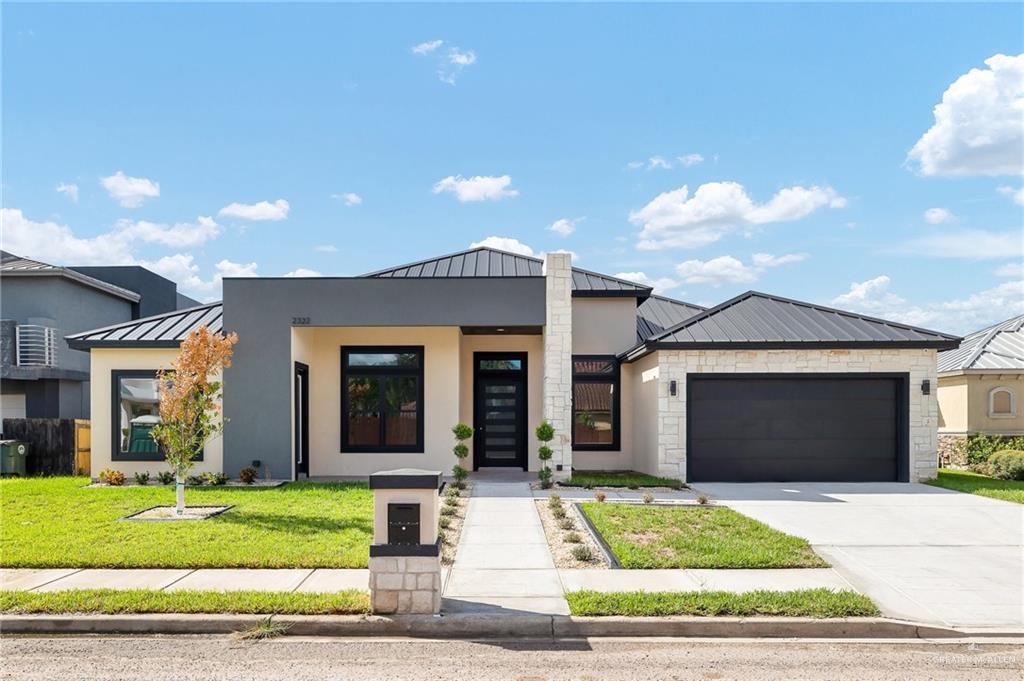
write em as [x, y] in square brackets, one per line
[210, 140]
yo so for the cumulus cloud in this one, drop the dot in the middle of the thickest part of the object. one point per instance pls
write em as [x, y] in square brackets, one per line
[663, 163]
[69, 190]
[427, 47]
[263, 210]
[872, 295]
[658, 162]
[326, 248]
[1013, 270]
[450, 64]
[349, 198]
[729, 270]
[477, 188]
[690, 160]
[1016, 195]
[56, 243]
[565, 226]
[130, 192]
[768, 260]
[504, 243]
[977, 129]
[178, 235]
[659, 284]
[675, 219]
[937, 216]
[460, 58]
[302, 272]
[973, 244]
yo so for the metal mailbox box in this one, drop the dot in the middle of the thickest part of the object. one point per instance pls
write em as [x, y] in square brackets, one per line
[403, 524]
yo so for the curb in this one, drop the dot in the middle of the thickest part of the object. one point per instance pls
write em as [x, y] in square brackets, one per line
[480, 626]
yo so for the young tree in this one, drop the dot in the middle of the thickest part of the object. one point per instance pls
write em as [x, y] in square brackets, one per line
[190, 402]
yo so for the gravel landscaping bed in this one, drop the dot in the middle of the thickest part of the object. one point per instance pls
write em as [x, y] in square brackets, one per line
[561, 550]
[453, 532]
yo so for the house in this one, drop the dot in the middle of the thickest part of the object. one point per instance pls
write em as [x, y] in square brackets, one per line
[980, 385]
[347, 376]
[40, 376]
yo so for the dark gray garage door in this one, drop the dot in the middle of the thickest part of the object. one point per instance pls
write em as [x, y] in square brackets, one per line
[796, 428]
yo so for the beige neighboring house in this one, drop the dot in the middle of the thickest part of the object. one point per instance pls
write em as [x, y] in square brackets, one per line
[981, 384]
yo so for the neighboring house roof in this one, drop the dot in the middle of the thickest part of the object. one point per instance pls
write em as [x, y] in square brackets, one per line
[490, 262]
[658, 313]
[758, 320]
[15, 266]
[159, 331]
[998, 348]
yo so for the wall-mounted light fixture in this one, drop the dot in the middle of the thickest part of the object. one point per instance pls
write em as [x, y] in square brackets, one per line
[672, 388]
[926, 387]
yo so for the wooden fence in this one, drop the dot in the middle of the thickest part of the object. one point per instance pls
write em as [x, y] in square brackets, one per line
[55, 446]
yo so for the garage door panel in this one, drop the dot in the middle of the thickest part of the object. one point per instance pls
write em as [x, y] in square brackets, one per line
[766, 450]
[792, 470]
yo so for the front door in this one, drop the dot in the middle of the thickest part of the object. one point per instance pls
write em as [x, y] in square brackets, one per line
[301, 419]
[499, 409]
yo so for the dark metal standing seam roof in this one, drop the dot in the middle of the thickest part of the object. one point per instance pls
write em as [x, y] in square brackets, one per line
[490, 262]
[758, 320]
[15, 266]
[159, 331]
[658, 313]
[998, 348]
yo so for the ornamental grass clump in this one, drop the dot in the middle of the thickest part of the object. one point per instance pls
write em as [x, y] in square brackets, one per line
[545, 433]
[190, 411]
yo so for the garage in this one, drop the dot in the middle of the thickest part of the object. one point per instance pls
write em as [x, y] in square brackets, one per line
[801, 427]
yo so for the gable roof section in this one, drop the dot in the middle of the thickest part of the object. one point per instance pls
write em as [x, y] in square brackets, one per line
[998, 348]
[759, 321]
[490, 262]
[658, 313]
[15, 266]
[159, 331]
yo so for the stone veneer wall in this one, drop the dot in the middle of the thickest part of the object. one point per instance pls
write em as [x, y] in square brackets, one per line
[558, 358]
[919, 363]
[405, 585]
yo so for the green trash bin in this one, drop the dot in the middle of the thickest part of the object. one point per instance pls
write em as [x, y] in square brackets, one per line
[12, 457]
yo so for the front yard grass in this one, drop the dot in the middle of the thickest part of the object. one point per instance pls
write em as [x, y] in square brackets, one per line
[646, 537]
[138, 601]
[982, 485]
[58, 522]
[820, 603]
[618, 479]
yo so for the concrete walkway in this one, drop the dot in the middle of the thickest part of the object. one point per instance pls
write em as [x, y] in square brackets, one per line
[304, 580]
[502, 563]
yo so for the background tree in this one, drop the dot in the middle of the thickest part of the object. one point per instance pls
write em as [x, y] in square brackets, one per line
[190, 402]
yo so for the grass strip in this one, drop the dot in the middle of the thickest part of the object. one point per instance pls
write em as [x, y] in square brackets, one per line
[819, 603]
[982, 485]
[139, 601]
[618, 479]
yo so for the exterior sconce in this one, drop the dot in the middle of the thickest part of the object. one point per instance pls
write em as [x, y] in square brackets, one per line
[926, 387]
[672, 388]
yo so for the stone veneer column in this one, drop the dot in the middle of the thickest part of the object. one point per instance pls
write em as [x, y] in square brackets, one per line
[558, 358]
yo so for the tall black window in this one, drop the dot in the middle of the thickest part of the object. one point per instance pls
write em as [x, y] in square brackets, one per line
[595, 403]
[382, 399]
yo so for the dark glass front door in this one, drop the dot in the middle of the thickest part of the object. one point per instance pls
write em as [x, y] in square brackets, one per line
[499, 413]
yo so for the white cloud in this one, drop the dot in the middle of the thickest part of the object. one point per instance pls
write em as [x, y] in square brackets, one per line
[936, 216]
[1013, 269]
[264, 210]
[635, 165]
[659, 285]
[717, 271]
[460, 58]
[658, 162]
[477, 188]
[674, 219]
[130, 192]
[228, 268]
[871, 296]
[427, 47]
[350, 198]
[303, 272]
[56, 243]
[769, 260]
[68, 189]
[662, 163]
[181, 267]
[1016, 195]
[178, 235]
[326, 248]
[690, 160]
[974, 244]
[565, 226]
[504, 243]
[977, 129]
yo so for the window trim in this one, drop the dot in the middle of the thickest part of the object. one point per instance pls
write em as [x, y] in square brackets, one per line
[615, 378]
[115, 418]
[992, 414]
[346, 372]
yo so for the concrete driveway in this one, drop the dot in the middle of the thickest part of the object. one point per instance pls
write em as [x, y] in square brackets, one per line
[921, 552]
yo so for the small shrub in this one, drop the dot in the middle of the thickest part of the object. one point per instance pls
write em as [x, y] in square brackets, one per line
[448, 510]
[554, 501]
[461, 431]
[600, 496]
[1007, 464]
[545, 432]
[165, 477]
[460, 474]
[444, 521]
[215, 479]
[451, 501]
[112, 477]
[459, 484]
[195, 481]
[558, 512]
[544, 475]
[442, 536]
[142, 479]
[702, 499]
[248, 475]
[980, 448]
[648, 498]
[582, 553]
[452, 491]
[566, 524]
[572, 538]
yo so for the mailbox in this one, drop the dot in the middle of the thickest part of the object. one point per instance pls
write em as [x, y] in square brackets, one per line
[404, 524]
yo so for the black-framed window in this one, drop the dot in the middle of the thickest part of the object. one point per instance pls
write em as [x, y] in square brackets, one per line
[382, 399]
[595, 403]
[134, 411]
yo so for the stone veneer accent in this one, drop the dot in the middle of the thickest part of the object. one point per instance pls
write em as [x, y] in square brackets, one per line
[953, 450]
[558, 358]
[919, 363]
[405, 585]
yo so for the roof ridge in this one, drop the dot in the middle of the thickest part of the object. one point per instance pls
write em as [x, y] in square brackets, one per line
[49, 269]
[448, 255]
[142, 320]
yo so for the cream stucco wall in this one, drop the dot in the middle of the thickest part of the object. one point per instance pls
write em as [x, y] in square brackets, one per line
[644, 384]
[102, 363]
[963, 404]
[603, 326]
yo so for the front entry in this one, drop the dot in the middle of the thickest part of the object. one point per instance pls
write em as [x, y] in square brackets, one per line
[499, 409]
[301, 419]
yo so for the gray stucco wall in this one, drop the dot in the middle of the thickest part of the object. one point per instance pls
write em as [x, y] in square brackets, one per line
[158, 293]
[257, 386]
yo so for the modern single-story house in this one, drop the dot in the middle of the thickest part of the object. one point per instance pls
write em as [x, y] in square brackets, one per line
[348, 376]
[981, 384]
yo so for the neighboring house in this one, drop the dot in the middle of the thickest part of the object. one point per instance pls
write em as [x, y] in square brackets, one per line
[40, 376]
[981, 384]
[347, 376]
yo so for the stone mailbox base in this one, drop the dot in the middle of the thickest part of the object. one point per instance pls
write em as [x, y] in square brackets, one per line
[405, 585]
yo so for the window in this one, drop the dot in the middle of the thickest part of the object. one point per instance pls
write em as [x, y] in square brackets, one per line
[382, 399]
[135, 410]
[1002, 403]
[595, 403]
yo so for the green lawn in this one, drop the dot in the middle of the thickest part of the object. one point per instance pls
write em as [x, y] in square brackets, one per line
[645, 537]
[821, 603]
[58, 522]
[134, 601]
[618, 479]
[982, 485]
